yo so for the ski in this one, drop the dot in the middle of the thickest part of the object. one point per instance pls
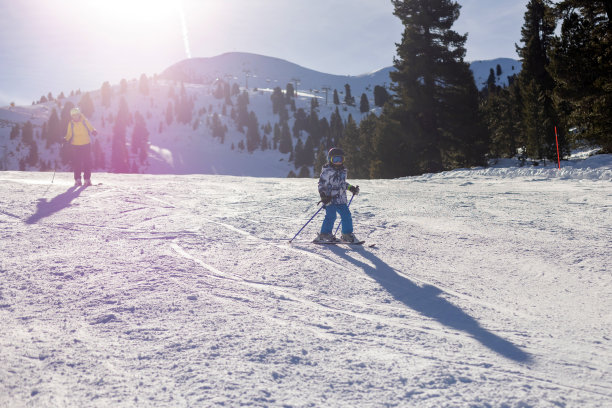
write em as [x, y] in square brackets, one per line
[338, 243]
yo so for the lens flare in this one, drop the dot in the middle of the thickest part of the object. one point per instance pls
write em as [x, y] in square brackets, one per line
[184, 29]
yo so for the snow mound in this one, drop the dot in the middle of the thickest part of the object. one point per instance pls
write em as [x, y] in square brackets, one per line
[598, 167]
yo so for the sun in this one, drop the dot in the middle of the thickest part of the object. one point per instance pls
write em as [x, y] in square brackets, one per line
[139, 11]
[120, 24]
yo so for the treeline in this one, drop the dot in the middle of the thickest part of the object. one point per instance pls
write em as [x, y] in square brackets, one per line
[566, 82]
[437, 120]
[299, 132]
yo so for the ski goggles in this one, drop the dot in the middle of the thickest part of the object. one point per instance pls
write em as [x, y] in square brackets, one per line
[337, 159]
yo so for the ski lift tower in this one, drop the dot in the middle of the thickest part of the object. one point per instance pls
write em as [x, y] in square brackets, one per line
[247, 74]
[296, 81]
[326, 88]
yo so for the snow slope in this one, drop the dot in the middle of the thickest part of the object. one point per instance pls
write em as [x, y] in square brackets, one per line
[483, 290]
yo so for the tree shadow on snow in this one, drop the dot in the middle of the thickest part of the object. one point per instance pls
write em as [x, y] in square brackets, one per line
[46, 208]
[426, 301]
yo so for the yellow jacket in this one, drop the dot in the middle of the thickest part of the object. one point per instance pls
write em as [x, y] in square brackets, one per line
[79, 132]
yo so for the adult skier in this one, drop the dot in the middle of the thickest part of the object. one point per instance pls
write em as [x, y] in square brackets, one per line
[78, 136]
[332, 189]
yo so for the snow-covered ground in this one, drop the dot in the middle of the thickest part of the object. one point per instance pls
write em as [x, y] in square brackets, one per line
[486, 288]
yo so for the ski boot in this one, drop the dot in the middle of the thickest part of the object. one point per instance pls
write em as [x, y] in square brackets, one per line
[325, 238]
[349, 238]
[77, 183]
[87, 183]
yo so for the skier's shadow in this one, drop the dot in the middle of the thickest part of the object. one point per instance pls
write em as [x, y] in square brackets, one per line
[46, 208]
[426, 300]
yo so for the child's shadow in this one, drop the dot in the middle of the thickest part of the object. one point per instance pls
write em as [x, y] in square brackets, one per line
[425, 300]
[46, 208]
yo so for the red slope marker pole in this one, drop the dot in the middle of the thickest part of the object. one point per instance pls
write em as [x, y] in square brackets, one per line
[557, 141]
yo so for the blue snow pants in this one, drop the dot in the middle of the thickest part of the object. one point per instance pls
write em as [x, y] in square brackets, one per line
[330, 218]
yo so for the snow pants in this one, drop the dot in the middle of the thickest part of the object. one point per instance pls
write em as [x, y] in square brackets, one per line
[330, 218]
[81, 161]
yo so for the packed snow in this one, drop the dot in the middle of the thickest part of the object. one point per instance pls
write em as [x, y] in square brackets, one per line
[484, 288]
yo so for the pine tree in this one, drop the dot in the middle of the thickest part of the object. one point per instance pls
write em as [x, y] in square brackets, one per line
[491, 81]
[140, 137]
[265, 144]
[336, 97]
[336, 128]
[321, 159]
[27, 133]
[143, 85]
[54, 132]
[169, 114]
[119, 154]
[348, 97]
[436, 104]
[581, 65]
[184, 107]
[314, 105]
[217, 128]
[360, 165]
[278, 99]
[381, 96]
[285, 144]
[253, 137]
[304, 172]
[242, 118]
[299, 154]
[364, 104]
[350, 141]
[536, 84]
[98, 155]
[123, 86]
[86, 105]
[290, 91]
[276, 136]
[503, 117]
[106, 93]
[14, 132]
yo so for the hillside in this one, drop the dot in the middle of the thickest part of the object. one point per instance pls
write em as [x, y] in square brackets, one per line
[485, 288]
[507, 68]
[189, 147]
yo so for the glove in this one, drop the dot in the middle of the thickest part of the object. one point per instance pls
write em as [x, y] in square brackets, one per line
[325, 199]
[95, 132]
[354, 189]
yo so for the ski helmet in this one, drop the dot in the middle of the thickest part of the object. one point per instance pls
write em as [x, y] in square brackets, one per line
[75, 111]
[335, 156]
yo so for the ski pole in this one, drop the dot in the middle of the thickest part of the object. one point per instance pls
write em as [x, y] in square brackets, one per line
[349, 204]
[307, 222]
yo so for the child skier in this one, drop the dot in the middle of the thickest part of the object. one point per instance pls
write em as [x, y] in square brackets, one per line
[332, 189]
[78, 136]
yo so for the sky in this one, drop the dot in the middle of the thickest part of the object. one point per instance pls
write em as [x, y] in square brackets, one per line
[63, 45]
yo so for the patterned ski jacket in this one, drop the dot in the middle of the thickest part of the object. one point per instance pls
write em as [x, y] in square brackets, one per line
[332, 182]
[78, 133]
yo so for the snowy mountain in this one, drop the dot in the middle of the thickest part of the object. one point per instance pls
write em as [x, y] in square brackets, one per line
[507, 68]
[266, 72]
[189, 147]
[486, 288]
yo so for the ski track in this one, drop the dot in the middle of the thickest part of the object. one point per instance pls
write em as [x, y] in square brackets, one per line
[374, 318]
[452, 356]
